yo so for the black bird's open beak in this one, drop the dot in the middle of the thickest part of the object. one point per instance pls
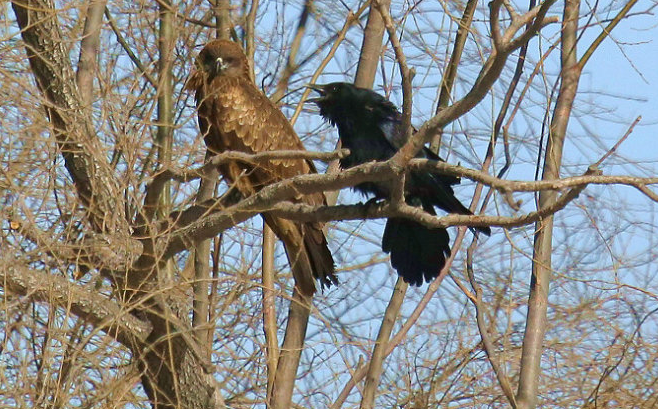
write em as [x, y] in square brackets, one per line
[319, 89]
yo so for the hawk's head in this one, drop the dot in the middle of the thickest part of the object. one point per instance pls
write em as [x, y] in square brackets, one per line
[219, 58]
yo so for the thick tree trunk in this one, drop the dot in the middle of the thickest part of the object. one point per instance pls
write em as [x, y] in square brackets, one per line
[175, 373]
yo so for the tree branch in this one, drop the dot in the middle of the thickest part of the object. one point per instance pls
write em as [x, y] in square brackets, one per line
[379, 351]
[407, 74]
[88, 50]
[90, 306]
[450, 74]
[371, 47]
[72, 128]
[605, 33]
[189, 227]
[533, 339]
[291, 350]
[361, 370]
[269, 309]
[503, 379]
[126, 47]
[291, 66]
[352, 18]
[485, 80]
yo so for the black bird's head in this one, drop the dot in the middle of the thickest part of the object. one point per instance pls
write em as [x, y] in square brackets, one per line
[341, 101]
[334, 99]
[334, 92]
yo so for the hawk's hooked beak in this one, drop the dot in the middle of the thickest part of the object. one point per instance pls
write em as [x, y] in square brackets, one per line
[220, 65]
[319, 89]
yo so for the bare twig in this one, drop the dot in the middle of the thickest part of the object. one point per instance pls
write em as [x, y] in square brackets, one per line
[171, 9]
[618, 144]
[605, 33]
[407, 74]
[129, 51]
[648, 192]
[504, 107]
[361, 370]
[507, 185]
[291, 66]
[352, 18]
[503, 379]
[489, 73]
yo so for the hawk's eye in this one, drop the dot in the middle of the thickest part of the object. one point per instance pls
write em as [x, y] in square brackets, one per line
[208, 59]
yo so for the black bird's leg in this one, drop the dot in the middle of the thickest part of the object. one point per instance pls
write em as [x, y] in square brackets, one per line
[370, 203]
[373, 201]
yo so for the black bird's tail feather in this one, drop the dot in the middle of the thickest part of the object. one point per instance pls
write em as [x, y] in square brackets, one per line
[455, 206]
[441, 194]
[417, 252]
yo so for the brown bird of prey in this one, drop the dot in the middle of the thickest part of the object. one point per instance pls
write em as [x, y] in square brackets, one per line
[234, 115]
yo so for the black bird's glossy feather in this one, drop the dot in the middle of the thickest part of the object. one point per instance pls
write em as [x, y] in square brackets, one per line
[370, 127]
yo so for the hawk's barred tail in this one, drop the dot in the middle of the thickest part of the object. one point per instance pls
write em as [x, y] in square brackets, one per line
[307, 251]
[322, 262]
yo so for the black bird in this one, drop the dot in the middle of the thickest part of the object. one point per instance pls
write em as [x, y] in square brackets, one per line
[370, 126]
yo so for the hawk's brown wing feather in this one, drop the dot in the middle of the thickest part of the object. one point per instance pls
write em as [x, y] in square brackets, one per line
[259, 126]
[235, 115]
